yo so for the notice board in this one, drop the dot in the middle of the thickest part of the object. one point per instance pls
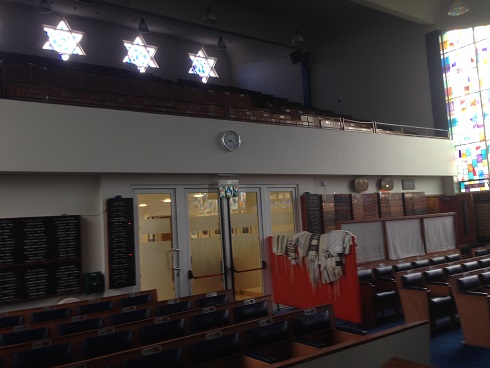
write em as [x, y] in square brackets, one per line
[120, 230]
[39, 257]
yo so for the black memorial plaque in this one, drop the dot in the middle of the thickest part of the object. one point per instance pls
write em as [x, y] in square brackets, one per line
[122, 269]
[9, 286]
[36, 283]
[39, 257]
[66, 279]
[66, 237]
[7, 241]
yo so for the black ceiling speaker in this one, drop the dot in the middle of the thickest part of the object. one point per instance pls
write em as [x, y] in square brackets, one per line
[296, 56]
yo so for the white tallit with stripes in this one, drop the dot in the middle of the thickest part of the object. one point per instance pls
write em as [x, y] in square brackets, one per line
[332, 250]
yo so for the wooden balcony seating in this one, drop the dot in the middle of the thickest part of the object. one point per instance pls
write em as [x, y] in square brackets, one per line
[421, 301]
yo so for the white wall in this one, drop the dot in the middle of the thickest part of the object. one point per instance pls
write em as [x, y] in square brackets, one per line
[39, 137]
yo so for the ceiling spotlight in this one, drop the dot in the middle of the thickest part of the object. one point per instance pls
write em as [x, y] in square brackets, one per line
[143, 27]
[221, 45]
[298, 39]
[209, 17]
[44, 7]
[458, 7]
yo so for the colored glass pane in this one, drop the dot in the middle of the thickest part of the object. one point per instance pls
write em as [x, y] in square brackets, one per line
[466, 119]
[482, 33]
[483, 62]
[473, 186]
[456, 39]
[472, 161]
[461, 72]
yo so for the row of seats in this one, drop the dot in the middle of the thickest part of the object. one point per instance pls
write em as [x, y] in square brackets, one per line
[470, 292]
[113, 310]
[379, 291]
[50, 312]
[427, 294]
[46, 80]
[276, 339]
[96, 342]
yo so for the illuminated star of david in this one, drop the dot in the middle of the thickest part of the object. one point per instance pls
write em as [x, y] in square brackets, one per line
[63, 40]
[140, 54]
[203, 65]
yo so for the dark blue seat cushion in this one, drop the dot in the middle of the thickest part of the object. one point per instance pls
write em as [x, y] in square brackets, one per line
[43, 357]
[250, 311]
[265, 335]
[126, 317]
[211, 300]
[165, 309]
[135, 300]
[162, 331]
[209, 320]
[19, 337]
[219, 347]
[107, 344]
[79, 326]
[167, 358]
[9, 321]
[311, 323]
[95, 307]
[50, 315]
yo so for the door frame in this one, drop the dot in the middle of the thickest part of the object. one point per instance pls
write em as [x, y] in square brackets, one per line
[180, 225]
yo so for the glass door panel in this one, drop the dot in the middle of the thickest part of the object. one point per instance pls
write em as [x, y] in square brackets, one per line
[246, 251]
[156, 252]
[206, 255]
[282, 212]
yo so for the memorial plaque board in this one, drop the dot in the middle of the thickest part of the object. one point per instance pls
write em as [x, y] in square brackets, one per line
[122, 268]
[39, 257]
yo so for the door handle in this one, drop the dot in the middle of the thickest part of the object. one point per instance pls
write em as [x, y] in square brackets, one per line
[170, 264]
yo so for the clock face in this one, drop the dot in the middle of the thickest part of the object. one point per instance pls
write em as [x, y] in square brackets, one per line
[230, 140]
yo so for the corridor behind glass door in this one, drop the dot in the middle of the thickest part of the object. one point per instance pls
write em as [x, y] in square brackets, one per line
[163, 266]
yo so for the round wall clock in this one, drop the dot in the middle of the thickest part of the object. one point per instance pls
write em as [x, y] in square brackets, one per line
[230, 140]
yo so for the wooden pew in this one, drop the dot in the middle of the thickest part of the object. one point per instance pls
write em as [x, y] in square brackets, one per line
[227, 347]
[237, 345]
[128, 305]
[473, 304]
[422, 301]
[138, 333]
[70, 309]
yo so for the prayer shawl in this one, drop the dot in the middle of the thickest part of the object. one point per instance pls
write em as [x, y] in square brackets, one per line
[332, 250]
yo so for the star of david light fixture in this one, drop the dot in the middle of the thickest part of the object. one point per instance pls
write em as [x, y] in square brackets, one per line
[63, 40]
[140, 54]
[203, 65]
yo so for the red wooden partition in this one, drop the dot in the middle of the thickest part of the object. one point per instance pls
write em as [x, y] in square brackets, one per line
[292, 287]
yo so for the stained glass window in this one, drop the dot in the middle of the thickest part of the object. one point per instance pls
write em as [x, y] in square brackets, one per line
[140, 54]
[63, 40]
[466, 65]
[203, 65]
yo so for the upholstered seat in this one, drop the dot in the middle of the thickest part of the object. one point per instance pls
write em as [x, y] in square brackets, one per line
[470, 285]
[399, 267]
[416, 292]
[453, 257]
[421, 263]
[378, 296]
[437, 260]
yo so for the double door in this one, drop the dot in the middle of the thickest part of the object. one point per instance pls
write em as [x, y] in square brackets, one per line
[191, 241]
